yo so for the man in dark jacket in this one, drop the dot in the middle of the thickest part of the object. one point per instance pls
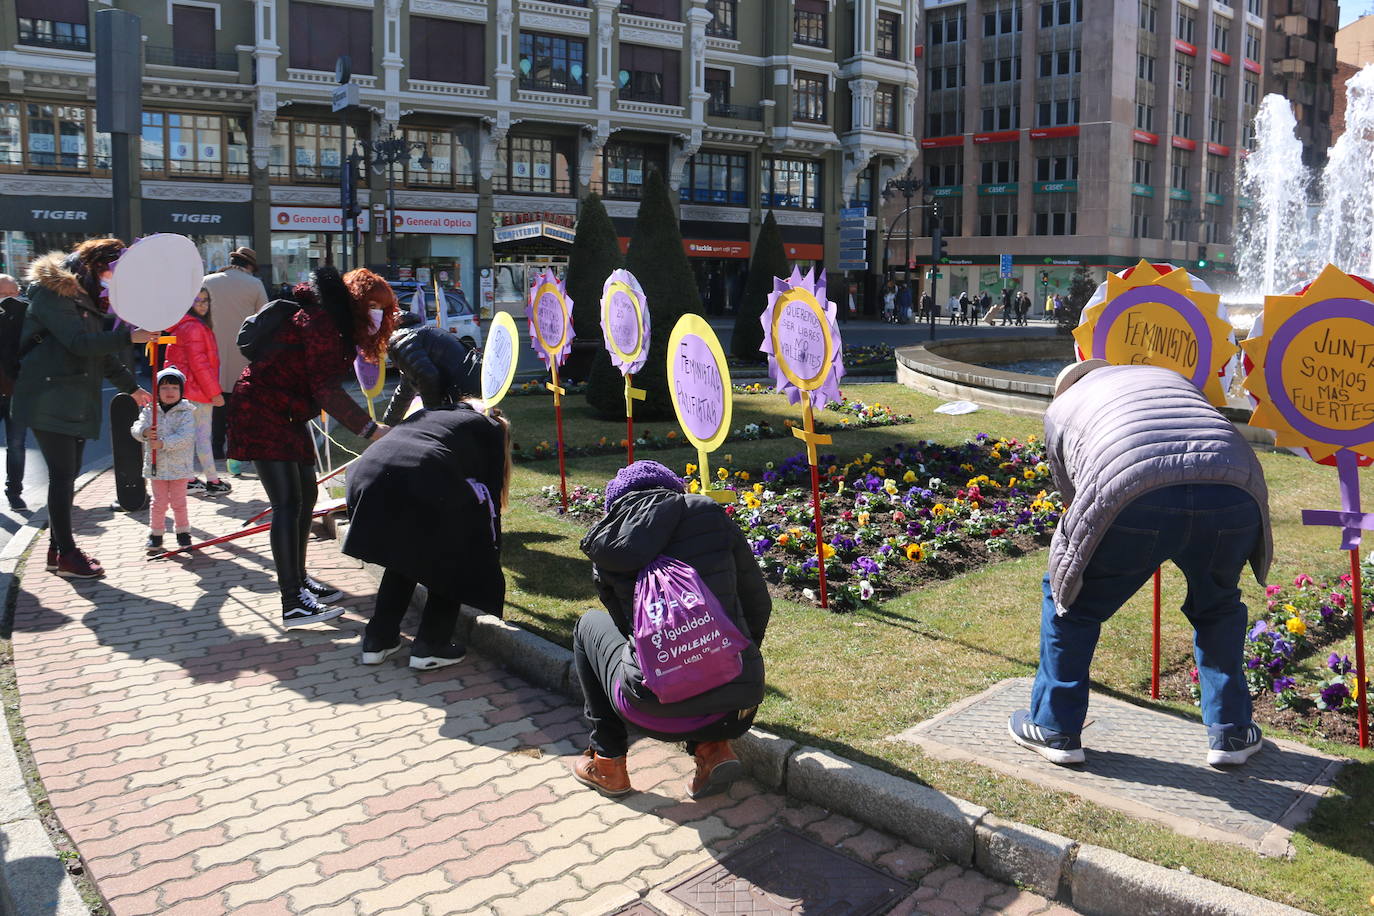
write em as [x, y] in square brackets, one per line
[1150, 472]
[648, 516]
[434, 364]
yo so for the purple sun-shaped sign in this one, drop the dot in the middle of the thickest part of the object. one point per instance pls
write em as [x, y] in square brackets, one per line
[625, 321]
[549, 311]
[802, 340]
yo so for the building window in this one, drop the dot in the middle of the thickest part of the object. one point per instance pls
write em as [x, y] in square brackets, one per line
[308, 151]
[453, 158]
[535, 164]
[1221, 35]
[888, 37]
[648, 74]
[791, 183]
[1149, 15]
[944, 167]
[1183, 123]
[1144, 67]
[1215, 175]
[1057, 112]
[1250, 90]
[11, 136]
[1186, 24]
[1142, 164]
[808, 98]
[717, 178]
[54, 24]
[179, 144]
[1060, 12]
[1002, 70]
[625, 166]
[947, 28]
[1056, 214]
[717, 90]
[938, 78]
[885, 108]
[1144, 116]
[1179, 170]
[1004, 21]
[1063, 63]
[552, 63]
[722, 23]
[1252, 43]
[809, 21]
[319, 35]
[54, 137]
[1219, 83]
[1255, 7]
[1216, 129]
[193, 41]
[997, 215]
[1140, 217]
[1058, 164]
[447, 51]
[1002, 117]
[1183, 76]
[1000, 163]
[945, 123]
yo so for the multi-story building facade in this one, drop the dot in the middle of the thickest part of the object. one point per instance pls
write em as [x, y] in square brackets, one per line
[1302, 67]
[515, 110]
[1067, 132]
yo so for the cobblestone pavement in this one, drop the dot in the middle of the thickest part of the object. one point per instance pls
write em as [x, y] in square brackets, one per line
[205, 761]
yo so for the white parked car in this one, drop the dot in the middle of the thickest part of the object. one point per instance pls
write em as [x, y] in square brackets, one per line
[459, 317]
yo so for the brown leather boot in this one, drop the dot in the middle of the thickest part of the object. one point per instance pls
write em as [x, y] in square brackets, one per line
[604, 774]
[717, 767]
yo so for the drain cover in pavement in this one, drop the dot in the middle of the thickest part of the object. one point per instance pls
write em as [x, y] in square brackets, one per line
[785, 872]
[1146, 762]
[638, 909]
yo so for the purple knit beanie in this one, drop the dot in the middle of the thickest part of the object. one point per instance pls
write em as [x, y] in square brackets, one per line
[642, 475]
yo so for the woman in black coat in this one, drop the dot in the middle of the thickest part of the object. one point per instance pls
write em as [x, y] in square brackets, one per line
[648, 516]
[434, 364]
[426, 505]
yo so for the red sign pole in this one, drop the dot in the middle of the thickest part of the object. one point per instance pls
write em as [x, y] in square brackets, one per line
[1362, 701]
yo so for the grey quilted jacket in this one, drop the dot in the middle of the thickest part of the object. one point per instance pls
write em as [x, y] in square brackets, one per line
[177, 430]
[1123, 431]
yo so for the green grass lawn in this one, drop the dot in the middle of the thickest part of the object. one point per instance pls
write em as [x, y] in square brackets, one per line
[848, 682]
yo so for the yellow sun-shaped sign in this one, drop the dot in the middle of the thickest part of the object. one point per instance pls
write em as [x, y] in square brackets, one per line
[1311, 369]
[1156, 317]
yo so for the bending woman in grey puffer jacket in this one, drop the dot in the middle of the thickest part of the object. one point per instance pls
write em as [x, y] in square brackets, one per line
[648, 515]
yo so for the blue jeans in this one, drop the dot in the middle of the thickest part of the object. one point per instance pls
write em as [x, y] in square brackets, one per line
[1209, 532]
[16, 441]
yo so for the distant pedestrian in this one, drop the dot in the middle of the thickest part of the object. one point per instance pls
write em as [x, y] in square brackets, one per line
[889, 304]
[984, 304]
[171, 446]
[237, 293]
[903, 303]
[649, 518]
[1008, 306]
[964, 306]
[927, 305]
[196, 354]
[16, 434]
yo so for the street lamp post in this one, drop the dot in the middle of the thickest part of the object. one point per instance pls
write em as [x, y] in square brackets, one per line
[906, 187]
[386, 151]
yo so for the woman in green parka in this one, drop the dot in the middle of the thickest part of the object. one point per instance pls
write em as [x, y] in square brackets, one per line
[67, 349]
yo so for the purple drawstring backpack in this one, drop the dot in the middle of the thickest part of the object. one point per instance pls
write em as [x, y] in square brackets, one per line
[685, 641]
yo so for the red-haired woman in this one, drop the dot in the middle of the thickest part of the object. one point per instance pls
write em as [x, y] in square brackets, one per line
[273, 402]
[67, 351]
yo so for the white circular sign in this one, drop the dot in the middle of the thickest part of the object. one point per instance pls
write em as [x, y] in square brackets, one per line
[156, 280]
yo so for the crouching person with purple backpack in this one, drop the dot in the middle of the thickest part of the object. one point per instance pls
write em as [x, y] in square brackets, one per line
[676, 652]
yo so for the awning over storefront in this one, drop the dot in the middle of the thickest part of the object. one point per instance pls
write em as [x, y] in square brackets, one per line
[195, 217]
[538, 230]
[55, 214]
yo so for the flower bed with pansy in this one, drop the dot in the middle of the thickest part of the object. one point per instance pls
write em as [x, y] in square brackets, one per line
[850, 414]
[892, 521]
[1298, 658]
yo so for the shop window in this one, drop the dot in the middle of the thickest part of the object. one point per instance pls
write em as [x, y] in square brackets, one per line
[61, 137]
[808, 98]
[54, 24]
[308, 151]
[11, 136]
[451, 153]
[1056, 214]
[888, 36]
[649, 74]
[446, 51]
[624, 167]
[722, 24]
[997, 215]
[552, 63]
[885, 108]
[539, 165]
[809, 23]
[318, 35]
[716, 178]
[791, 183]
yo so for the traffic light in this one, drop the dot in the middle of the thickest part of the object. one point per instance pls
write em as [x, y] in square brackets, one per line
[1045, 277]
[1201, 257]
[939, 248]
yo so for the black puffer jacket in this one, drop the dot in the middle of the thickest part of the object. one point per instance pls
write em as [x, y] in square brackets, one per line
[436, 365]
[644, 524]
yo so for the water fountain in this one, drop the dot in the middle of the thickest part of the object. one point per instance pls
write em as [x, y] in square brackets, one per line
[1275, 233]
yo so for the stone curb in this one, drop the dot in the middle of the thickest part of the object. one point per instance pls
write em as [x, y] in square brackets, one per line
[33, 877]
[1093, 880]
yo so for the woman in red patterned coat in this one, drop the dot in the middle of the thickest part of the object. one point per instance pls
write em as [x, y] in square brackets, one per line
[301, 373]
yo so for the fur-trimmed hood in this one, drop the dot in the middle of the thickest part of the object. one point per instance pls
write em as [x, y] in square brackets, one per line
[50, 272]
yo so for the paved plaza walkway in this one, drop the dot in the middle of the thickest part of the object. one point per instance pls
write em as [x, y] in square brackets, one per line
[205, 761]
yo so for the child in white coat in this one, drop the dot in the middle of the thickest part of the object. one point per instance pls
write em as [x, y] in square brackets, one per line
[174, 445]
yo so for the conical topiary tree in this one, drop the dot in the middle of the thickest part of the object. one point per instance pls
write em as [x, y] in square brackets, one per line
[769, 261]
[659, 263]
[1081, 289]
[595, 253]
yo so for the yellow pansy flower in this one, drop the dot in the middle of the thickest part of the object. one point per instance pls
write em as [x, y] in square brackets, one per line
[1296, 626]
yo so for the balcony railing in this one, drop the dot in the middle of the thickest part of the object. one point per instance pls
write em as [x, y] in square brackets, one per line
[200, 60]
[538, 85]
[629, 94]
[738, 112]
